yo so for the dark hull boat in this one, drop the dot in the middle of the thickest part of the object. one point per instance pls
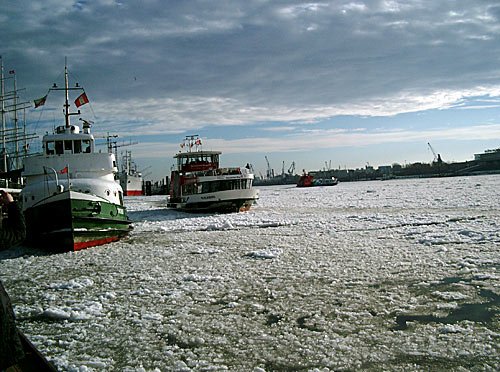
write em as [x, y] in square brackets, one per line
[82, 221]
[71, 200]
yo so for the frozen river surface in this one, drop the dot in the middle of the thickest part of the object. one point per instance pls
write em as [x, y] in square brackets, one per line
[396, 276]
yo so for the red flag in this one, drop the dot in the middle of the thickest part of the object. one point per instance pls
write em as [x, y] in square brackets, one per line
[198, 142]
[64, 170]
[81, 100]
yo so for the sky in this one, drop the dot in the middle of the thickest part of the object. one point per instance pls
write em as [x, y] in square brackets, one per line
[330, 84]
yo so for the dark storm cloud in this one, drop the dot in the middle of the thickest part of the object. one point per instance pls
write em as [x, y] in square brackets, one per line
[217, 62]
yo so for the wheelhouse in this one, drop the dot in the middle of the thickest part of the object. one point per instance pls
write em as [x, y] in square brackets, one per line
[197, 161]
[68, 141]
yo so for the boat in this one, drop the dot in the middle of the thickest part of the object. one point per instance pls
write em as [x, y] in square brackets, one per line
[130, 178]
[70, 199]
[307, 180]
[33, 359]
[13, 137]
[200, 185]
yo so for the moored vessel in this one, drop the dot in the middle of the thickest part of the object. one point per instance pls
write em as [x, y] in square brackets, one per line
[307, 180]
[200, 185]
[130, 178]
[71, 200]
[13, 137]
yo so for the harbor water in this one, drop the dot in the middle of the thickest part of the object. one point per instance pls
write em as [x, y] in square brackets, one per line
[386, 275]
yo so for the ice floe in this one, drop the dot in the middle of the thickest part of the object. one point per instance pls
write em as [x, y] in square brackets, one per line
[396, 275]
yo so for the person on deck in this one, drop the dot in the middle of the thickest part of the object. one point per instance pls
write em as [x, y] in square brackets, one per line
[13, 229]
[12, 232]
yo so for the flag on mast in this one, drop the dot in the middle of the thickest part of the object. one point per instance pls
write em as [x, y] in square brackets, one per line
[40, 101]
[81, 100]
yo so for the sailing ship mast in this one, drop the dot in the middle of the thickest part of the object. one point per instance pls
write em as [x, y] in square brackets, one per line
[2, 95]
[9, 102]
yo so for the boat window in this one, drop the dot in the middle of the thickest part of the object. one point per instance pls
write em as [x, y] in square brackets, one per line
[189, 189]
[50, 148]
[86, 146]
[77, 147]
[68, 147]
[59, 147]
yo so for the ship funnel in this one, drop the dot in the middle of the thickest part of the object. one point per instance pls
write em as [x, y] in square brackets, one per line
[86, 126]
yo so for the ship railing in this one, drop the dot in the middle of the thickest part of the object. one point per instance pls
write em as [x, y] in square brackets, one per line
[223, 172]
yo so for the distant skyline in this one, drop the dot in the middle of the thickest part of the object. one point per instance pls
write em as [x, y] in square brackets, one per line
[349, 83]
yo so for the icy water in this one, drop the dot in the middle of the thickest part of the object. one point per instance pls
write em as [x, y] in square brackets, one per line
[393, 276]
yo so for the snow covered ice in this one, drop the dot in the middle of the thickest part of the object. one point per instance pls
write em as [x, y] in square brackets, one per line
[394, 275]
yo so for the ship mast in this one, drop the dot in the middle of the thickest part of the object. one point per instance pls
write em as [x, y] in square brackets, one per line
[66, 90]
[16, 126]
[2, 114]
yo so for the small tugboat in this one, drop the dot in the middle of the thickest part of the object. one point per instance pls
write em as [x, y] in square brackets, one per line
[200, 185]
[71, 200]
[130, 178]
[307, 180]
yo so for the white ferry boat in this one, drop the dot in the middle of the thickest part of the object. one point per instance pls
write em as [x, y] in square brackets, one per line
[71, 200]
[200, 185]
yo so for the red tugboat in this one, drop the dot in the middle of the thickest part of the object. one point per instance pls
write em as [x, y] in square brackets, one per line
[200, 185]
[307, 180]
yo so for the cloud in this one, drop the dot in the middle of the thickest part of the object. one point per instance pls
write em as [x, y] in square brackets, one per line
[161, 116]
[166, 67]
[325, 139]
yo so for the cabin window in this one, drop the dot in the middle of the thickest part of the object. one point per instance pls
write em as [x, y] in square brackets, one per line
[77, 147]
[59, 147]
[68, 147]
[50, 148]
[189, 189]
[86, 146]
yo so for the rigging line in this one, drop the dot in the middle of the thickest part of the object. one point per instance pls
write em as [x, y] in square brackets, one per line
[30, 141]
[41, 112]
[77, 78]
[92, 109]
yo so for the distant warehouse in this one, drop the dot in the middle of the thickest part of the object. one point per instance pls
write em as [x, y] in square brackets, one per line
[488, 155]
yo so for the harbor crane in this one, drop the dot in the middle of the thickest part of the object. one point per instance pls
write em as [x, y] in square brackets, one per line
[269, 172]
[291, 170]
[437, 157]
[251, 168]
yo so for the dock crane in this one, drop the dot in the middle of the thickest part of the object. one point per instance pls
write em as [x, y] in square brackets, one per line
[269, 172]
[437, 157]
[291, 170]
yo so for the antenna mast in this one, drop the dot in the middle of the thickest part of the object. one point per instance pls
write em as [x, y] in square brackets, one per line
[66, 89]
